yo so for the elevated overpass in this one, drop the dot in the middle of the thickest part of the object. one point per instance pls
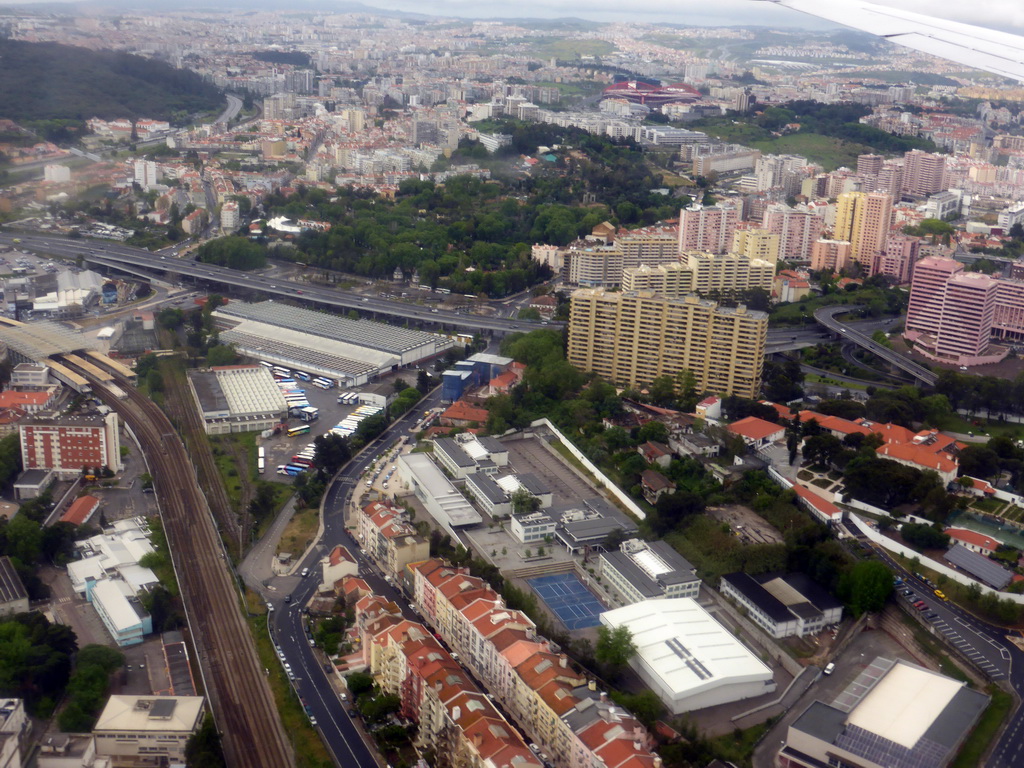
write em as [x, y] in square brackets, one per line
[143, 263]
[826, 316]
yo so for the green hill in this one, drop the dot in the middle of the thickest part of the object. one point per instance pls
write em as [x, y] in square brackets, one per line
[48, 81]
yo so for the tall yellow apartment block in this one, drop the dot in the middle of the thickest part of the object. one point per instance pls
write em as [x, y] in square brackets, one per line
[633, 337]
[757, 244]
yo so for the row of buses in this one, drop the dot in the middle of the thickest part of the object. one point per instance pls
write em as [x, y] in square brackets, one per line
[347, 426]
[281, 373]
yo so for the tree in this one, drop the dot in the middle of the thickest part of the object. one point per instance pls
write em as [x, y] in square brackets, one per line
[615, 647]
[359, 683]
[924, 536]
[653, 430]
[331, 452]
[203, 749]
[524, 502]
[423, 381]
[866, 586]
[221, 354]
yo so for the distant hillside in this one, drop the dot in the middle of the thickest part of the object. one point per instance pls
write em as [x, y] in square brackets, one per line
[48, 81]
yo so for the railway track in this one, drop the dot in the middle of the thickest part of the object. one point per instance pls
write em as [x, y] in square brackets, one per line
[240, 697]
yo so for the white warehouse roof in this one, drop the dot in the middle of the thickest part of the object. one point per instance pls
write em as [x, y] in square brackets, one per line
[690, 659]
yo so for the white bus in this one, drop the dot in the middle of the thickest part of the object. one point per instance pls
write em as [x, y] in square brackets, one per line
[265, 364]
[324, 380]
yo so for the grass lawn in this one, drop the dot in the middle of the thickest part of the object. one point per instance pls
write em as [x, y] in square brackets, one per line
[827, 150]
[572, 49]
[300, 532]
[985, 729]
[816, 378]
[954, 422]
[738, 746]
[988, 505]
[309, 749]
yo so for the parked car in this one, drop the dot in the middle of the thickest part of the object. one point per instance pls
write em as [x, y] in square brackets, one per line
[829, 668]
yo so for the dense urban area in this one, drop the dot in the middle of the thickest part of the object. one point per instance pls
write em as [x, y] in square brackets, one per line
[388, 390]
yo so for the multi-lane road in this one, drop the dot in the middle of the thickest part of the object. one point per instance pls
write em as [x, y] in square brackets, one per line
[289, 594]
[118, 256]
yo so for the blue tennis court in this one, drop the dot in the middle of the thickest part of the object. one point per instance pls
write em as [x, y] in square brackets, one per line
[569, 599]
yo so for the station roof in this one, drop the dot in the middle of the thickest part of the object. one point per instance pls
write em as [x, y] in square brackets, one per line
[41, 339]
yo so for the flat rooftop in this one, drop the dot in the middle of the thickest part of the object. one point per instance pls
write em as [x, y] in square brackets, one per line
[41, 339]
[685, 647]
[362, 333]
[138, 714]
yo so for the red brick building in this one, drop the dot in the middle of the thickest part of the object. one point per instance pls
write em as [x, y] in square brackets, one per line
[68, 444]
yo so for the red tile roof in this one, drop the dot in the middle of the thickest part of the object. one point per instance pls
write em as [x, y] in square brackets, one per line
[755, 428]
[460, 410]
[80, 510]
[973, 537]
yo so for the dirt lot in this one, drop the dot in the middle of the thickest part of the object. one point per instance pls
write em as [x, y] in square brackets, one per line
[746, 524]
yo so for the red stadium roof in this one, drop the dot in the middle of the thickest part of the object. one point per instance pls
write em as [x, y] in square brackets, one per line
[644, 93]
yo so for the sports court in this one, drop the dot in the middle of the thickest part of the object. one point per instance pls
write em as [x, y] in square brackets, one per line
[569, 599]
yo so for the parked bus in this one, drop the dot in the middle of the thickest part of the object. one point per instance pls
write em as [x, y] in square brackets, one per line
[260, 464]
[302, 461]
[328, 383]
[320, 385]
[296, 431]
[291, 470]
[265, 364]
[303, 375]
[261, 452]
[282, 372]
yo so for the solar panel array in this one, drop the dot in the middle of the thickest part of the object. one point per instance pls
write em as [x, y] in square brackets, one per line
[692, 663]
[882, 751]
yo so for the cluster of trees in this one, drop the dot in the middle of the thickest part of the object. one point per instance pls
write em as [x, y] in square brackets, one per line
[841, 121]
[474, 236]
[29, 544]
[35, 660]
[233, 251]
[45, 84]
[407, 398]
[10, 459]
[981, 394]
[87, 688]
[889, 485]
[924, 536]
[203, 748]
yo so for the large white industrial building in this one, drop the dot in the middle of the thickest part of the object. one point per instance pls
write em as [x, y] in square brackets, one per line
[237, 398]
[688, 658]
[322, 344]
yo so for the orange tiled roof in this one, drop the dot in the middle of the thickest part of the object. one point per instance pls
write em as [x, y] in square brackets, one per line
[463, 411]
[754, 428]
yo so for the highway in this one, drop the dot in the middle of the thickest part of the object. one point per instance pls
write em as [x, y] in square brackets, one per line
[312, 683]
[826, 317]
[118, 256]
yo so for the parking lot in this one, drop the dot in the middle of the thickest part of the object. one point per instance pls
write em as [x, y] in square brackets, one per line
[528, 455]
[984, 653]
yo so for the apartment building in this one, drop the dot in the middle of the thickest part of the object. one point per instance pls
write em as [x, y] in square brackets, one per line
[667, 279]
[68, 444]
[632, 338]
[864, 219]
[454, 717]
[389, 538]
[757, 243]
[923, 173]
[727, 272]
[571, 722]
[797, 229]
[649, 570]
[898, 260]
[707, 228]
[953, 315]
[830, 255]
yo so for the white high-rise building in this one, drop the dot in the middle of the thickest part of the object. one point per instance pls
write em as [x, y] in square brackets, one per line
[145, 173]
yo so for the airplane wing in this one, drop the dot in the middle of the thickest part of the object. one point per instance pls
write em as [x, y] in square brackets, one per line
[1001, 53]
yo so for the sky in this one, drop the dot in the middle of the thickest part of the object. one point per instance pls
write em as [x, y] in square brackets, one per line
[1007, 15]
[996, 13]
